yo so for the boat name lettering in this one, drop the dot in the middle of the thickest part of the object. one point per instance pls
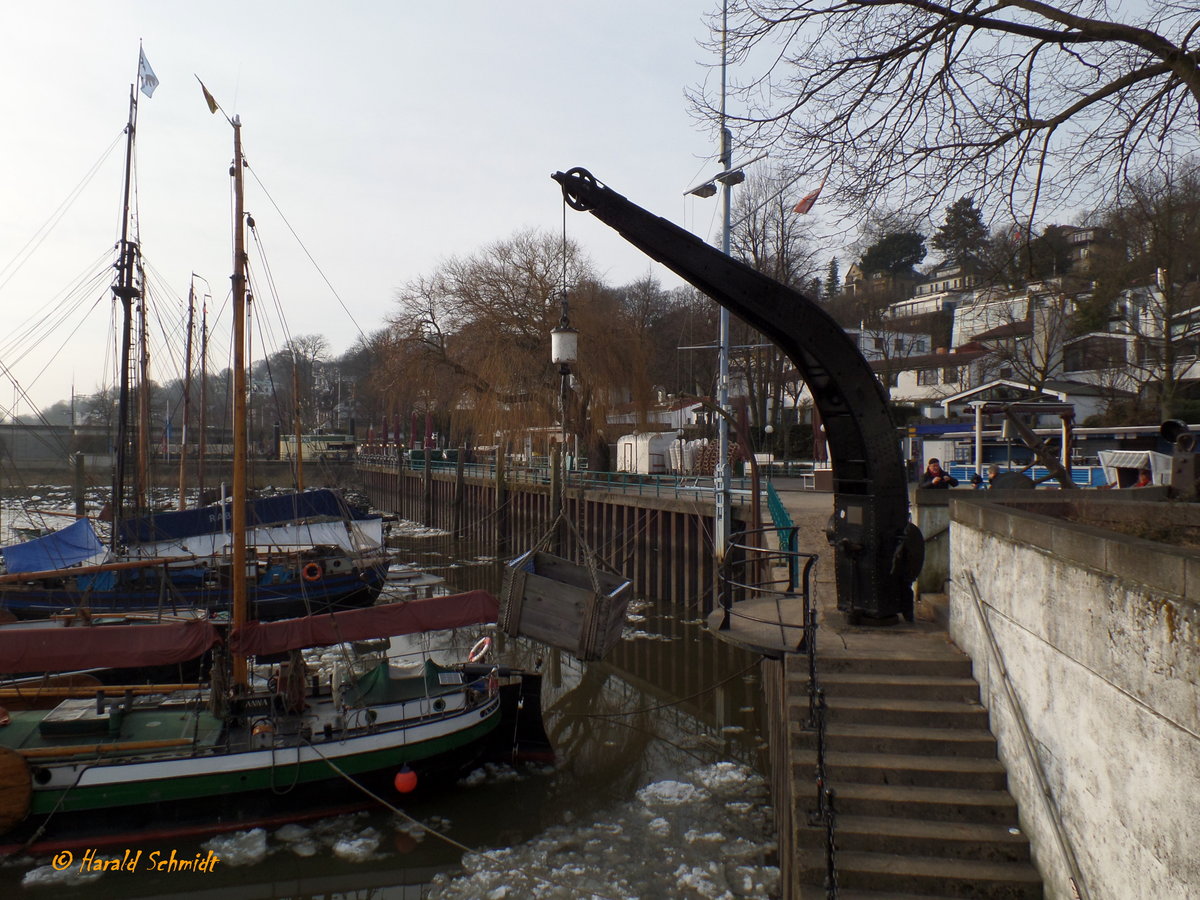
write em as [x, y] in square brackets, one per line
[131, 860]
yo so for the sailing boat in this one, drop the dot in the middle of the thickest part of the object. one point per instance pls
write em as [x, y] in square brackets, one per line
[148, 754]
[120, 757]
[313, 552]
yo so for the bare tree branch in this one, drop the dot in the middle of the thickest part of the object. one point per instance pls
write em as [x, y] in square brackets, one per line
[912, 102]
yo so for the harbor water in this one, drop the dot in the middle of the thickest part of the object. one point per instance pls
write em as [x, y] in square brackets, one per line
[656, 790]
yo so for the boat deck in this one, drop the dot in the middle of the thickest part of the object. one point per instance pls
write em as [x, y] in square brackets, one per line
[73, 728]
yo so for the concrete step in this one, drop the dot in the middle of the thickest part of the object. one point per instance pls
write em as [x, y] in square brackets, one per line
[922, 803]
[913, 837]
[880, 684]
[944, 660]
[898, 740]
[973, 773]
[888, 711]
[926, 876]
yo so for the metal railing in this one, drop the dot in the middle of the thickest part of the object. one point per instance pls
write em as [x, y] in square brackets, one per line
[751, 570]
[754, 570]
[538, 470]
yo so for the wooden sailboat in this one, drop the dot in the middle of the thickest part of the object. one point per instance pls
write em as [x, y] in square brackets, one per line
[159, 756]
[312, 552]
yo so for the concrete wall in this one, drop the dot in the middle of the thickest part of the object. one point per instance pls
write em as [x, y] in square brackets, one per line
[1100, 634]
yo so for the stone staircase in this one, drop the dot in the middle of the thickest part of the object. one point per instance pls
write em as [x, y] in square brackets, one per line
[922, 806]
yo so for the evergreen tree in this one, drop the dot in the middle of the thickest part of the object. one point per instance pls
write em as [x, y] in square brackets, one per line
[895, 253]
[833, 280]
[963, 236]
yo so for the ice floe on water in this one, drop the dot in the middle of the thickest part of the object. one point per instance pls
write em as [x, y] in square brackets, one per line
[705, 835]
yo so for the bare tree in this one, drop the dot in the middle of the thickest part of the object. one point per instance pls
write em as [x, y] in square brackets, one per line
[919, 101]
[1146, 280]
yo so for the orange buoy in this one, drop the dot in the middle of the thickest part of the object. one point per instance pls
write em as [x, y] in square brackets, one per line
[405, 780]
[311, 572]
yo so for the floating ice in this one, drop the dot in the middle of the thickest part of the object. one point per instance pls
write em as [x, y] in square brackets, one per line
[671, 793]
[490, 773]
[48, 876]
[291, 832]
[239, 848]
[671, 841]
[359, 847]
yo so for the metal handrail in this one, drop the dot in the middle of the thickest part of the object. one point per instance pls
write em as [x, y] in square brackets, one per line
[745, 559]
[1075, 879]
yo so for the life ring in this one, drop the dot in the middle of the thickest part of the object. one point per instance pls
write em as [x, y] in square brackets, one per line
[312, 572]
[479, 651]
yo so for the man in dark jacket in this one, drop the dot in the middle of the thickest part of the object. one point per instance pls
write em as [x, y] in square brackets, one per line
[936, 477]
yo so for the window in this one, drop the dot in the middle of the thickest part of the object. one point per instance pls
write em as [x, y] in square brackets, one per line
[927, 376]
[950, 375]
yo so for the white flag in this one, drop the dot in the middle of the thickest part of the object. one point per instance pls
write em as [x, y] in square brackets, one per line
[146, 74]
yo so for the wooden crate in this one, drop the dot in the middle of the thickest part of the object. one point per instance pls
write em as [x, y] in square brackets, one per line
[554, 600]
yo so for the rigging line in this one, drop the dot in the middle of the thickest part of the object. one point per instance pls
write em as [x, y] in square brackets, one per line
[328, 283]
[59, 305]
[270, 279]
[54, 356]
[46, 227]
[30, 343]
[488, 855]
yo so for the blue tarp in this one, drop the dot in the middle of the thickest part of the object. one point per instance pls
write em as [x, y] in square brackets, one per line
[168, 526]
[71, 545]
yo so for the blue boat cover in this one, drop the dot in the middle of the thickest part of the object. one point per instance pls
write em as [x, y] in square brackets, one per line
[63, 548]
[172, 526]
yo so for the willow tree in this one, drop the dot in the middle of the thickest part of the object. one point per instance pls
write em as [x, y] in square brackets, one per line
[915, 102]
[472, 339]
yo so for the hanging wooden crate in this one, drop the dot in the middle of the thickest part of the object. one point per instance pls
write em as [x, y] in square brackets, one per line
[556, 601]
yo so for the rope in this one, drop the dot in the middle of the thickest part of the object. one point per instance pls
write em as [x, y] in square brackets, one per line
[484, 854]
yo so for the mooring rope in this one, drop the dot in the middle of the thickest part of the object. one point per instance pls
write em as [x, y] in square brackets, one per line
[483, 854]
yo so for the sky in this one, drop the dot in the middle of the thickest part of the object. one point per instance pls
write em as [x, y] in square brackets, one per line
[389, 136]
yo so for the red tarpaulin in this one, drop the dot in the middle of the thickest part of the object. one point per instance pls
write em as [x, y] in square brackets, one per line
[406, 617]
[58, 649]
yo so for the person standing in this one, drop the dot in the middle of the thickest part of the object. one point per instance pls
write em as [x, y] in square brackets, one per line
[936, 477]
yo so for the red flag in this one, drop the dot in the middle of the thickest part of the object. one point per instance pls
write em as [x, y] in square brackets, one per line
[806, 203]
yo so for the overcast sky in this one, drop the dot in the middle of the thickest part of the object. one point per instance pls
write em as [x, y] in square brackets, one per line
[391, 135]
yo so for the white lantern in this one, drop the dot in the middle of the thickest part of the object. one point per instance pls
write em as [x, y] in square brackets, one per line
[564, 345]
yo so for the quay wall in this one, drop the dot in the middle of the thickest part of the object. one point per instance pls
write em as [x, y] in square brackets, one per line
[1099, 634]
[661, 543]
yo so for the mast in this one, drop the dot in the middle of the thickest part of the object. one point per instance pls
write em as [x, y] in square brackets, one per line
[202, 450]
[187, 395]
[299, 429]
[143, 382]
[238, 525]
[125, 291]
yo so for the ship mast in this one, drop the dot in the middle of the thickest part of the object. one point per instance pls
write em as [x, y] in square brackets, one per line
[238, 525]
[124, 290]
[187, 395]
